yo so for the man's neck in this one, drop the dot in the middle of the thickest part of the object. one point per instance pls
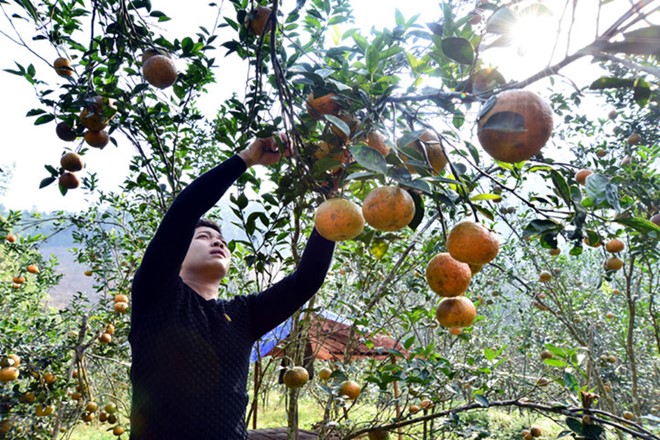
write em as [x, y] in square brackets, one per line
[206, 289]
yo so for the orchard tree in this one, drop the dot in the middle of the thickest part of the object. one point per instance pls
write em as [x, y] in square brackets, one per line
[529, 205]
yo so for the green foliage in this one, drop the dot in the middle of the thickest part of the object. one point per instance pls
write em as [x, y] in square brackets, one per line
[415, 75]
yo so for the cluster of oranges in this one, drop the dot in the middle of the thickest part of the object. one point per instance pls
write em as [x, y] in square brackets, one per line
[120, 304]
[158, 69]
[470, 246]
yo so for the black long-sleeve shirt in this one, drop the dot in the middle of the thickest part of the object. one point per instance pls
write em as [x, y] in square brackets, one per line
[191, 355]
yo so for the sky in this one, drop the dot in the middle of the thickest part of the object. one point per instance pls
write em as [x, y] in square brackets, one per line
[27, 147]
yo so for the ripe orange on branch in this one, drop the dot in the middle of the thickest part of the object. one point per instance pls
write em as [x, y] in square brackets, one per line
[426, 149]
[339, 219]
[71, 162]
[446, 276]
[96, 113]
[323, 105]
[97, 139]
[581, 176]
[64, 132]
[257, 20]
[63, 67]
[69, 180]
[295, 377]
[514, 125]
[378, 141]
[456, 312]
[159, 71]
[615, 245]
[388, 208]
[472, 243]
[350, 389]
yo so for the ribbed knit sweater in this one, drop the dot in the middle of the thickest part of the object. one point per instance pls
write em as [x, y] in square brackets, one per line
[191, 355]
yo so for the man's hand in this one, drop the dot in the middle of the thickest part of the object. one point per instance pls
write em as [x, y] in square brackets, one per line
[265, 151]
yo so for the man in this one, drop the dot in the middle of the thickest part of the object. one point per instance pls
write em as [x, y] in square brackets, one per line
[190, 350]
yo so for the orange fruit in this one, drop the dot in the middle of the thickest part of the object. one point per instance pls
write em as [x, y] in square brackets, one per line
[413, 409]
[377, 141]
[49, 378]
[257, 20]
[472, 243]
[388, 208]
[324, 373]
[350, 389]
[526, 434]
[615, 245]
[515, 127]
[581, 176]
[159, 71]
[91, 406]
[110, 408]
[455, 331]
[656, 219]
[28, 397]
[609, 315]
[7, 374]
[118, 430]
[87, 417]
[428, 149]
[634, 139]
[32, 268]
[11, 238]
[105, 338]
[120, 298]
[426, 404]
[110, 329]
[97, 139]
[628, 415]
[446, 276]
[339, 219]
[323, 105]
[11, 360]
[613, 263]
[20, 279]
[71, 162]
[63, 67]
[554, 252]
[64, 132]
[456, 312]
[44, 410]
[120, 307]
[295, 377]
[545, 276]
[69, 180]
[97, 113]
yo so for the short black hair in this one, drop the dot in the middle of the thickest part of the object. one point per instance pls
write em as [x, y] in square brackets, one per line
[209, 224]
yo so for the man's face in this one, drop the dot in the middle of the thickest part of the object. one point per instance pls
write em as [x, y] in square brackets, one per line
[208, 253]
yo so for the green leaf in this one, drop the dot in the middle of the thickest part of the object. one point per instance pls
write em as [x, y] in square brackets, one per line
[44, 119]
[574, 425]
[596, 185]
[47, 181]
[555, 363]
[458, 49]
[639, 224]
[611, 83]
[645, 41]
[561, 186]
[641, 92]
[481, 400]
[378, 249]
[539, 226]
[486, 197]
[506, 122]
[369, 158]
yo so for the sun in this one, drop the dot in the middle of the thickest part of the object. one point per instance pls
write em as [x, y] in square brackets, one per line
[523, 41]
